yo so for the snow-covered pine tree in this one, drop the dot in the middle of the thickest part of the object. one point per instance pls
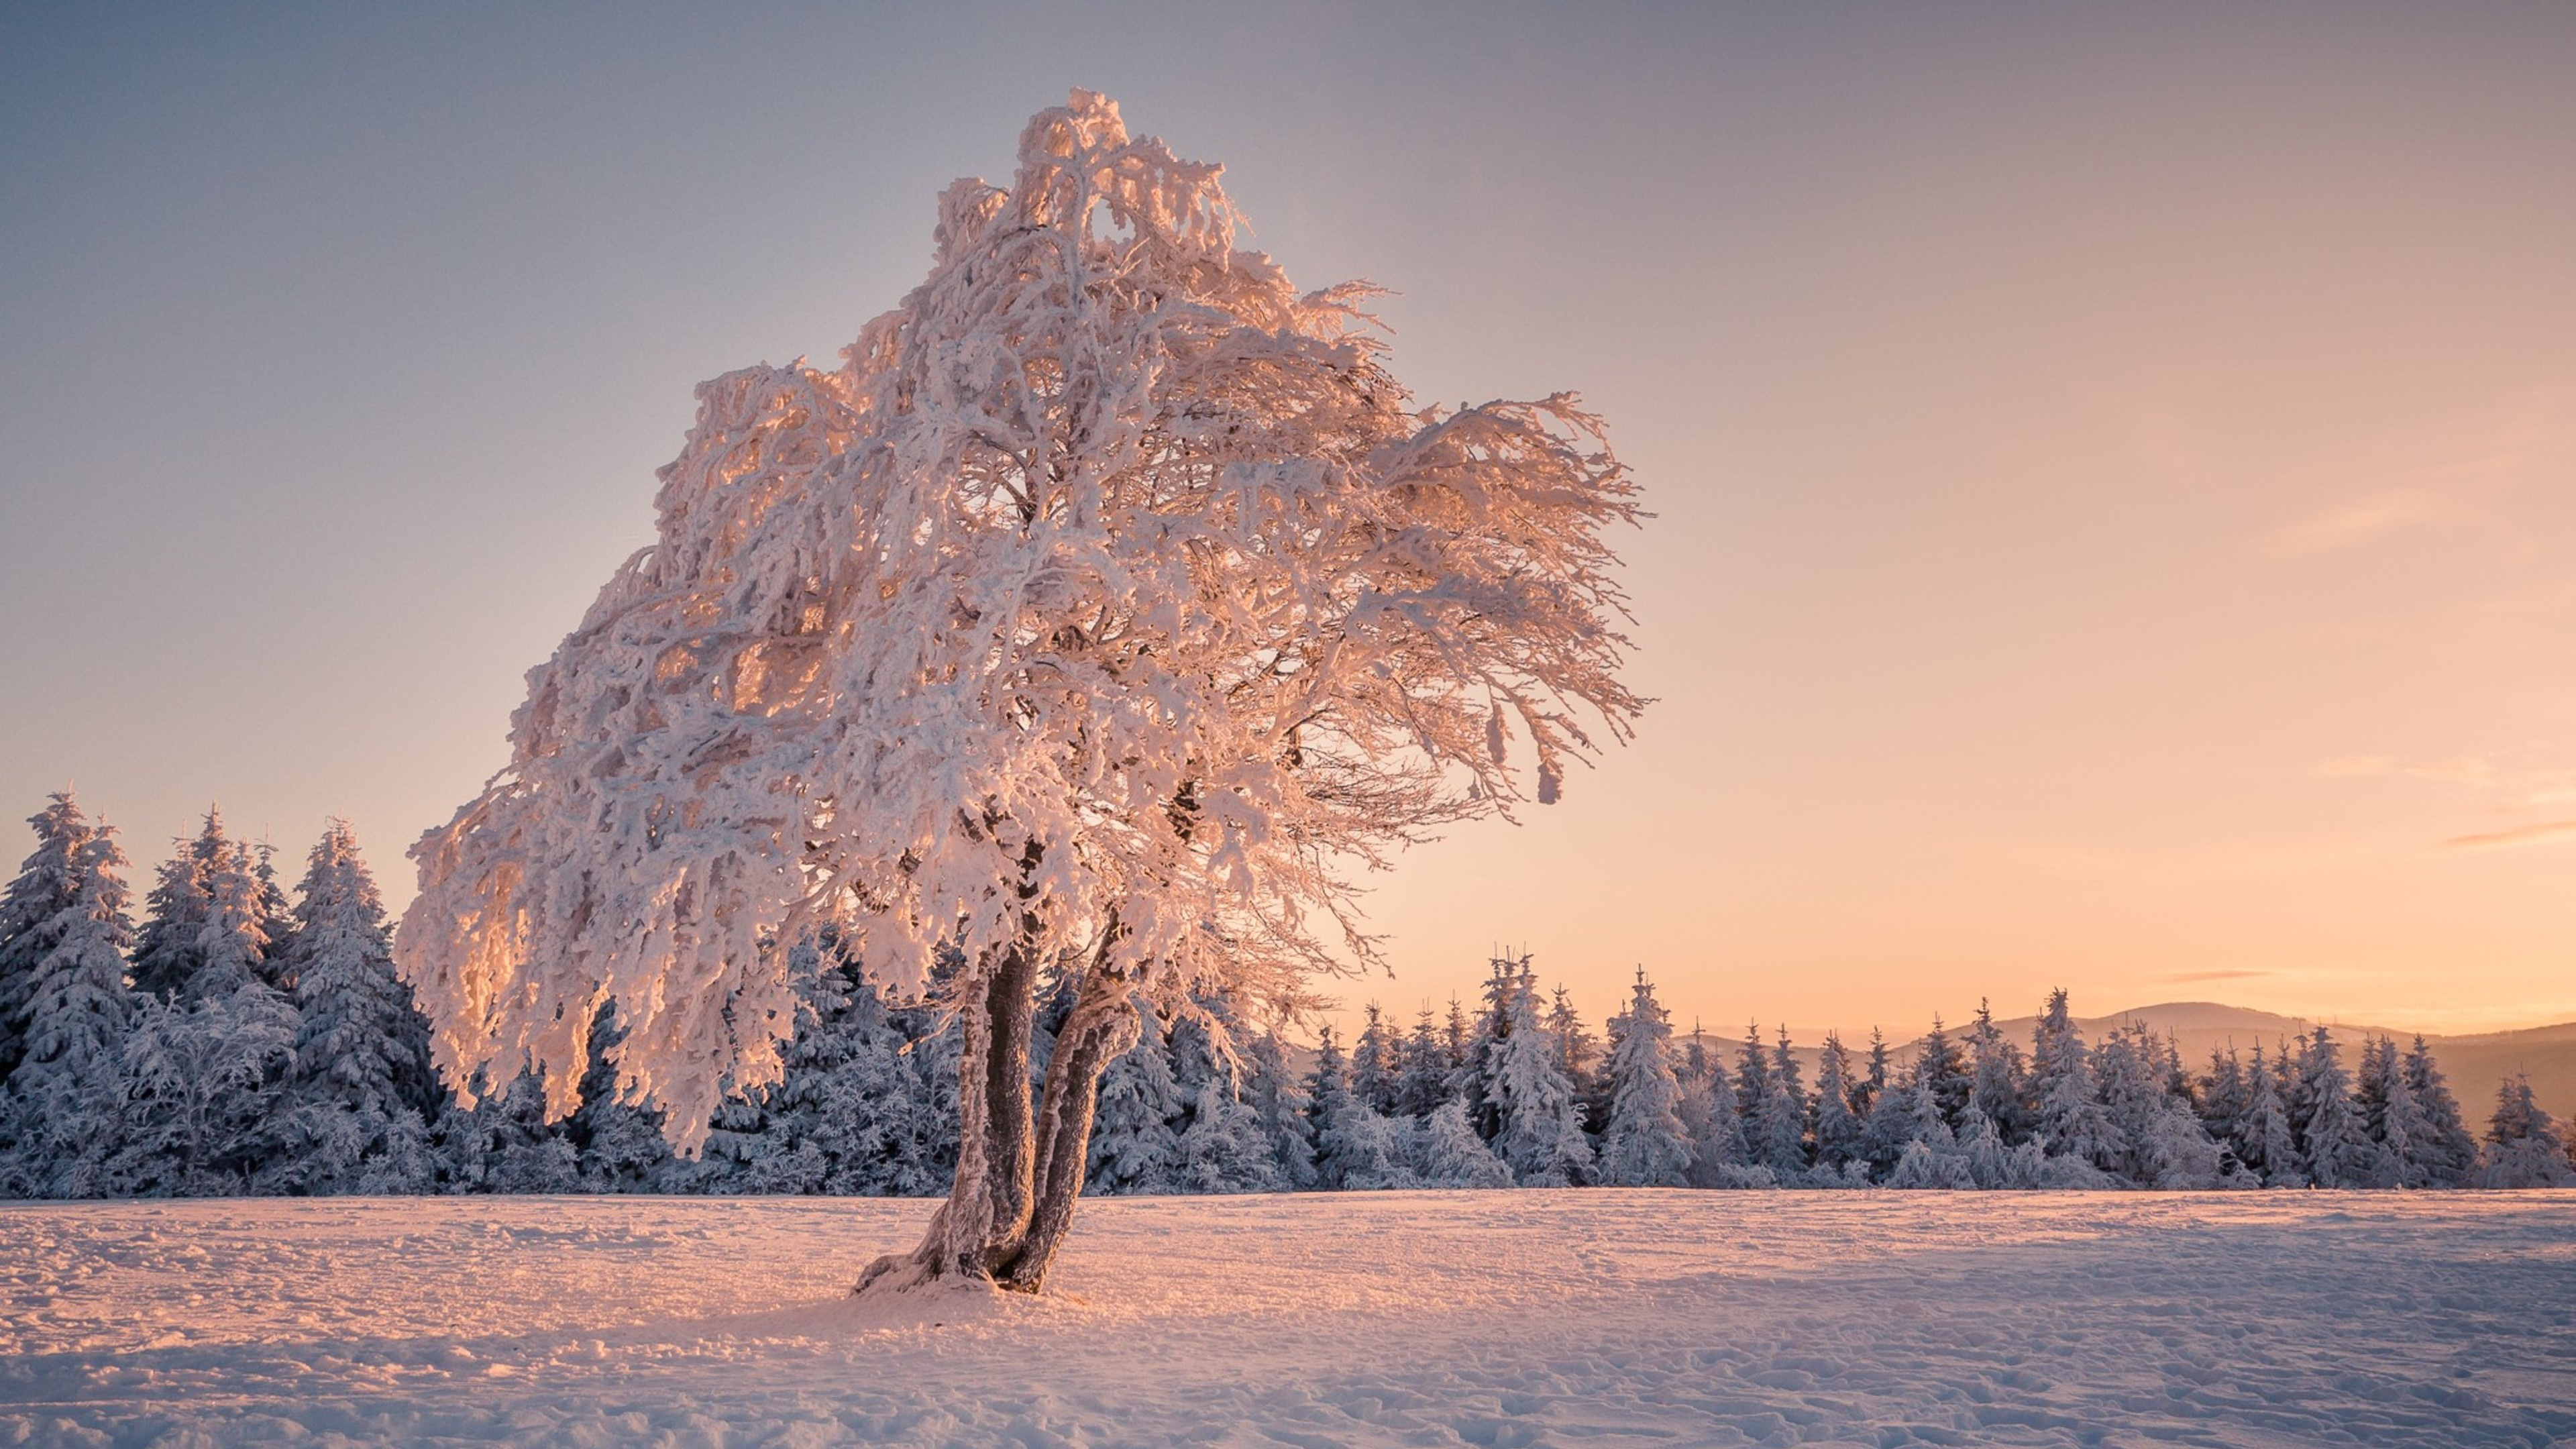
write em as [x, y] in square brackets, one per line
[617, 1141]
[1941, 1069]
[2332, 1137]
[2223, 1096]
[233, 942]
[1647, 1144]
[62, 1114]
[1427, 1068]
[1375, 1066]
[2404, 1133]
[2067, 1106]
[1837, 1130]
[37, 906]
[1779, 1131]
[200, 1080]
[1280, 1105]
[1998, 1073]
[1541, 1126]
[1060, 625]
[1752, 1084]
[171, 944]
[1481, 1048]
[1890, 1126]
[1874, 1075]
[1134, 1148]
[1328, 1095]
[2266, 1142]
[1578, 1056]
[2450, 1155]
[1452, 1155]
[357, 1110]
[2524, 1145]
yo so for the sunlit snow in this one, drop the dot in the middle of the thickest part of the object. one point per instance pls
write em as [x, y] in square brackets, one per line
[1606, 1317]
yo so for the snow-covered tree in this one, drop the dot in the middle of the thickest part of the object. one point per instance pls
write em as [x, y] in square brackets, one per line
[200, 1079]
[1997, 1072]
[2403, 1132]
[1279, 1104]
[2067, 1107]
[1778, 1131]
[363, 1088]
[1540, 1132]
[37, 907]
[1452, 1155]
[2524, 1145]
[2451, 1154]
[1428, 1067]
[171, 944]
[1578, 1056]
[1106, 608]
[1376, 1063]
[61, 1117]
[2266, 1142]
[2223, 1095]
[2331, 1136]
[1942, 1069]
[1133, 1147]
[1647, 1144]
[1837, 1130]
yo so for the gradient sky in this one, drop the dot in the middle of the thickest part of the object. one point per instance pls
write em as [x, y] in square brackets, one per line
[2115, 471]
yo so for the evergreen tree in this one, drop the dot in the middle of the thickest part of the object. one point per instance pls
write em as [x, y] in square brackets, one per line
[233, 943]
[2223, 1096]
[1578, 1057]
[1133, 1146]
[504, 1144]
[200, 1079]
[1647, 1144]
[1708, 1114]
[1997, 1077]
[1752, 1082]
[61, 1117]
[1427, 1069]
[363, 1089]
[1874, 1077]
[1375, 1068]
[1779, 1132]
[2068, 1108]
[2265, 1140]
[2524, 1145]
[2405, 1135]
[37, 908]
[1480, 1052]
[1452, 1155]
[617, 1141]
[1280, 1104]
[1540, 1133]
[1891, 1126]
[171, 944]
[2450, 1154]
[1837, 1130]
[1942, 1070]
[2332, 1136]
[1328, 1097]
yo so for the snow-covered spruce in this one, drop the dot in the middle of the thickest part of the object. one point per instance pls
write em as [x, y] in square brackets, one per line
[1104, 604]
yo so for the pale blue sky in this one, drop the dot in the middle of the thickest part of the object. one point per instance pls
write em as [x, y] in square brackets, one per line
[2116, 470]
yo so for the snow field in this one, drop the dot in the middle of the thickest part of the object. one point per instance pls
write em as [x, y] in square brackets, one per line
[1506, 1318]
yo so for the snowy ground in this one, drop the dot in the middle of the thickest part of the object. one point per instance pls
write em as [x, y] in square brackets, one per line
[1521, 1318]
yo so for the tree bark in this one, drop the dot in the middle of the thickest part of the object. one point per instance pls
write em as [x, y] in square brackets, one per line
[1019, 1173]
[1102, 1026]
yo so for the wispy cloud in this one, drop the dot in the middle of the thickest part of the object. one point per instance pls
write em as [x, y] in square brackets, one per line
[2355, 521]
[2540, 834]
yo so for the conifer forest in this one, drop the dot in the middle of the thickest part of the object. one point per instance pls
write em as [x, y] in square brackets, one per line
[230, 1034]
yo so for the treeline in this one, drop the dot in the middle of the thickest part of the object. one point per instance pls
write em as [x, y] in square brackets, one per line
[245, 1040]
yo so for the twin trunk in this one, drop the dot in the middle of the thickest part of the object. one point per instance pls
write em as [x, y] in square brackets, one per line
[1019, 1167]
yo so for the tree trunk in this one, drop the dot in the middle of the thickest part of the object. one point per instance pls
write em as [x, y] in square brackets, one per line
[1102, 1027]
[1019, 1174]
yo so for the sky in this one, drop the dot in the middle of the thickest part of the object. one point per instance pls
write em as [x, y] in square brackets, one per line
[2114, 468]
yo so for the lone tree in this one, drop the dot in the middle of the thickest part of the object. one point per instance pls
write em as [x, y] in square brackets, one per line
[1102, 616]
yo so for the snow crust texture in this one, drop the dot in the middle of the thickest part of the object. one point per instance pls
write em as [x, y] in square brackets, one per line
[1604, 1317]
